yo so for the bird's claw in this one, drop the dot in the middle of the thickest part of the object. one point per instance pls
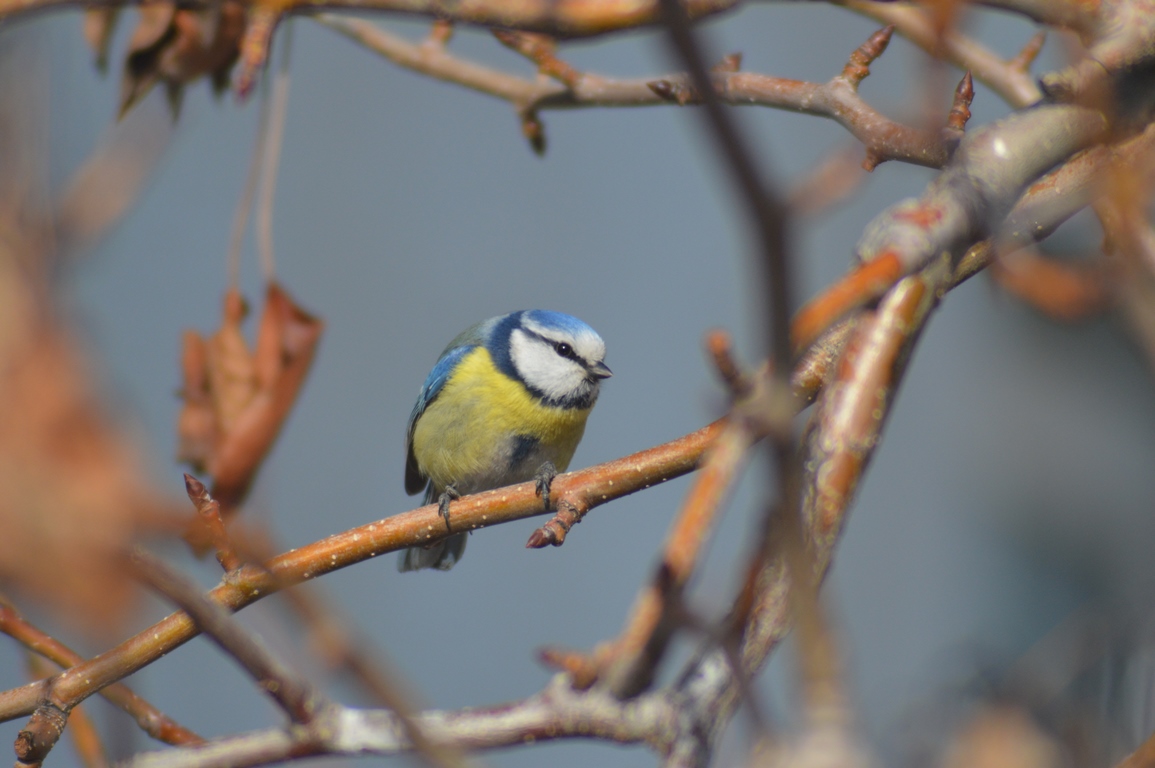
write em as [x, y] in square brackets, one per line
[448, 495]
[543, 479]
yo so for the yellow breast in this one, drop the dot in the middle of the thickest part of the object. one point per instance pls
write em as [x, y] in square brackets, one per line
[465, 436]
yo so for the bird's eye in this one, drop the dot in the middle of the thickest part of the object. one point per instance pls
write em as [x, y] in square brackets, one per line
[565, 350]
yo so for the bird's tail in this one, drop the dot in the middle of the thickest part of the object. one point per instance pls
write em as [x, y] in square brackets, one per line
[442, 555]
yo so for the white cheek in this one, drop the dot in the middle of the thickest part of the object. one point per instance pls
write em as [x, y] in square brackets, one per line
[543, 369]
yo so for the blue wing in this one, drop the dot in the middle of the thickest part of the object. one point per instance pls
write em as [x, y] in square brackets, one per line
[466, 341]
[414, 477]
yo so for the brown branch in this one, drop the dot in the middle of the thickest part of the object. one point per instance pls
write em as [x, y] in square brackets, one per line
[296, 697]
[585, 489]
[1078, 15]
[339, 648]
[915, 24]
[558, 18]
[85, 737]
[836, 99]
[847, 424]
[312, 713]
[627, 665]
[150, 719]
[1143, 757]
[971, 199]
[542, 51]
[708, 681]
[829, 183]
[1067, 292]
[720, 347]
[1026, 57]
[212, 527]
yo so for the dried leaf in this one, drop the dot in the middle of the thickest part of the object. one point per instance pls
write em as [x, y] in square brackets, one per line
[174, 46]
[73, 487]
[235, 402]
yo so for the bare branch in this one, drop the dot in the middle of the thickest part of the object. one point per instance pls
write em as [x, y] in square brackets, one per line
[298, 699]
[585, 489]
[836, 99]
[915, 24]
[150, 719]
[558, 18]
[557, 712]
[968, 201]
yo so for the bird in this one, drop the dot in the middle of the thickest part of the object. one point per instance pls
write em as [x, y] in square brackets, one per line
[505, 403]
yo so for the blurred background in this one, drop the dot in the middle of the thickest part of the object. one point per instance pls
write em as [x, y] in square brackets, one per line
[1011, 499]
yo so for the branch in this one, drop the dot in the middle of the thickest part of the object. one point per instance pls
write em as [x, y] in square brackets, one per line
[707, 684]
[836, 99]
[1071, 14]
[967, 202]
[585, 490]
[1014, 85]
[298, 699]
[150, 719]
[556, 712]
[558, 18]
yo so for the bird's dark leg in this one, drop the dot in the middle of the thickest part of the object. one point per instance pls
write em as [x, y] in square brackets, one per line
[543, 479]
[449, 494]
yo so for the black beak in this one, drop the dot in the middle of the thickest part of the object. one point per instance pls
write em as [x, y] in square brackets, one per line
[600, 370]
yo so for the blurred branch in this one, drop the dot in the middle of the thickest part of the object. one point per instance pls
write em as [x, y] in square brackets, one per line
[150, 719]
[627, 665]
[557, 712]
[836, 99]
[584, 490]
[296, 697]
[1061, 291]
[968, 201]
[1071, 14]
[311, 712]
[559, 18]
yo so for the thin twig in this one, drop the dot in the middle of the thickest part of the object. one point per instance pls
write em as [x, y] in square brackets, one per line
[150, 719]
[248, 195]
[1004, 78]
[296, 697]
[836, 99]
[271, 156]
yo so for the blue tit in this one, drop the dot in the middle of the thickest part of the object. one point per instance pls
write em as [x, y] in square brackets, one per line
[506, 402]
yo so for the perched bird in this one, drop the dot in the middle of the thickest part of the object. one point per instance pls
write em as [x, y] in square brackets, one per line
[506, 402]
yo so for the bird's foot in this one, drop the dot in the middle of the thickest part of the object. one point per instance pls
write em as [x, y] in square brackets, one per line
[543, 479]
[449, 494]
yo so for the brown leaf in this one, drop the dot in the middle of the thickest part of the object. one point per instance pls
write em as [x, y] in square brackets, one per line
[99, 24]
[235, 402]
[74, 493]
[174, 46]
[196, 423]
[72, 490]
